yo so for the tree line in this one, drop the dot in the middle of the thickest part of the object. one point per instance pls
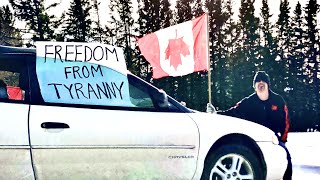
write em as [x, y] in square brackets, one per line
[288, 50]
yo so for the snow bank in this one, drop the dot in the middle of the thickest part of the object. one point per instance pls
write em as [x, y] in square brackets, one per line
[304, 148]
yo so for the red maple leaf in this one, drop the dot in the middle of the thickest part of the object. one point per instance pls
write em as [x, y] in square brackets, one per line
[176, 47]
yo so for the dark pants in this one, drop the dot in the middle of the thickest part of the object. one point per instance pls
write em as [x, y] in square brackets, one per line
[288, 174]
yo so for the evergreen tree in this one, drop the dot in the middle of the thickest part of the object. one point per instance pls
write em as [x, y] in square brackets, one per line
[230, 29]
[121, 27]
[269, 47]
[216, 21]
[98, 31]
[230, 36]
[141, 67]
[283, 28]
[184, 10]
[297, 101]
[78, 23]
[166, 14]
[268, 43]
[249, 24]
[9, 35]
[312, 55]
[148, 22]
[39, 23]
[283, 44]
[247, 55]
[297, 40]
[197, 9]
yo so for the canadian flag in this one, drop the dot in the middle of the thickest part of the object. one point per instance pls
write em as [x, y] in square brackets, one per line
[177, 50]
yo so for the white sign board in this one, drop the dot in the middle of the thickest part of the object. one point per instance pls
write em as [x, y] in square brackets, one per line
[82, 73]
[96, 53]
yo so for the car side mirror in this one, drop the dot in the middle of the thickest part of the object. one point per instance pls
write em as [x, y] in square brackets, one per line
[211, 108]
[161, 99]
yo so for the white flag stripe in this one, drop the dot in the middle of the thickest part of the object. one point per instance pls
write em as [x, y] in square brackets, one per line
[174, 32]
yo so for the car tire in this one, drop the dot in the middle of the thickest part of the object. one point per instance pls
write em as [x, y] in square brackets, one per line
[232, 161]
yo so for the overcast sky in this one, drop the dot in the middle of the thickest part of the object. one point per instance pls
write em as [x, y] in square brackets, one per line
[103, 9]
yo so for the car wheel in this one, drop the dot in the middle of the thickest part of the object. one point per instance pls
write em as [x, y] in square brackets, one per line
[234, 162]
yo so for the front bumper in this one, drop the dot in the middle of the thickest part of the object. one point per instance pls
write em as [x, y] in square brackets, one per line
[276, 159]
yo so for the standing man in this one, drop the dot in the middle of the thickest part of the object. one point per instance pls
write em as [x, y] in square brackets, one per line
[266, 108]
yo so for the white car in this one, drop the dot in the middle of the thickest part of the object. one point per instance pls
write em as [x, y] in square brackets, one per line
[141, 133]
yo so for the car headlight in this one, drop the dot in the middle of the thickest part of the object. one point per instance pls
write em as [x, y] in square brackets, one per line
[275, 140]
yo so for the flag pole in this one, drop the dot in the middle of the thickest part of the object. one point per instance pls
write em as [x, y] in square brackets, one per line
[209, 69]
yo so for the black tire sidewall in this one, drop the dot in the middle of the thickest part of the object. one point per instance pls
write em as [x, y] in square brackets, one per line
[239, 149]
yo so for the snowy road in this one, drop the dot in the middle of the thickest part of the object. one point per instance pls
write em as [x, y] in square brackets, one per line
[305, 153]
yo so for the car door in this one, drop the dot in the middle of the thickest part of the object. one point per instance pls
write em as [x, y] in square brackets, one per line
[15, 157]
[127, 136]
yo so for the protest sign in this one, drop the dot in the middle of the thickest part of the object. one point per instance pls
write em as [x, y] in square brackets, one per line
[82, 73]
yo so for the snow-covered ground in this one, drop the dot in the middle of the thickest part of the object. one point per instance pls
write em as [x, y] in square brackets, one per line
[305, 153]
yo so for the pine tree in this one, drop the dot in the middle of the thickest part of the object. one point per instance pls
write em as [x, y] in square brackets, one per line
[230, 29]
[249, 24]
[197, 9]
[283, 46]
[39, 23]
[297, 37]
[283, 25]
[166, 14]
[78, 23]
[121, 27]
[312, 55]
[184, 11]
[9, 35]
[98, 30]
[216, 21]
[141, 65]
[230, 37]
[296, 100]
[269, 47]
[247, 54]
[268, 43]
[148, 22]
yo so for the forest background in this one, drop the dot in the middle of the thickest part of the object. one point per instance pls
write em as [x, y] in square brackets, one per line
[287, 48]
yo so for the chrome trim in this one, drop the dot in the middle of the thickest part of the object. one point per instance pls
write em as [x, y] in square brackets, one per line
[113, 147]
[14, 147]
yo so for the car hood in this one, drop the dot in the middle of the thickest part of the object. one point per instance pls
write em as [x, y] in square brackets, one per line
[219, 125]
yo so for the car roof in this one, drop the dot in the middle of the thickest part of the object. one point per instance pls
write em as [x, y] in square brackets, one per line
[16, 50]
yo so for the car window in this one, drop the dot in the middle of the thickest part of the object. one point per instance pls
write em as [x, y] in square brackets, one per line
[13, 78]
[149, 96]
[86, 83]
[140, 98]
[90, 74]
[136, 94]
[82, 83]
